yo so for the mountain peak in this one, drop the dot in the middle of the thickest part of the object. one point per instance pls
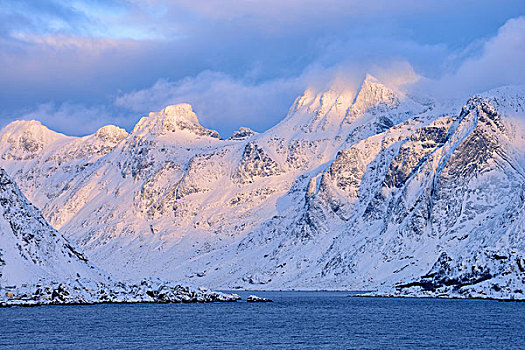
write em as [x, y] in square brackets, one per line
[509, 100]
[178, 118]
[23, 139]
[33, 127]
[26, 123]
[111, 132]
[242, 134]
[372, 92]
[371, 79]
[182, 111]
[371, 96]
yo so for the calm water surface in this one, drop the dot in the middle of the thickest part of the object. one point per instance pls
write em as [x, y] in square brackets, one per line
[296, 320]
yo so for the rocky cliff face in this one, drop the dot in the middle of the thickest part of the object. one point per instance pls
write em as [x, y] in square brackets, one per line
[353, 189]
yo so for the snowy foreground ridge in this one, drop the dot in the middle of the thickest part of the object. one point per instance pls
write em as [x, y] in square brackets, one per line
[366, 189]
[34, 256]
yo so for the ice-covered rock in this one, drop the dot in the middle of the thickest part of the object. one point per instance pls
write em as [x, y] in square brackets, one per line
[256, 299]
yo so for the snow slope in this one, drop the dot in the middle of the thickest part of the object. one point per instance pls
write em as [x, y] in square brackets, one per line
[31, 250]
[39, 266]
[353, 189]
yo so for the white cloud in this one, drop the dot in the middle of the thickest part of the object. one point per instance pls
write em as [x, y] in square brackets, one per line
[499, 62]
[73, 119]
[244, 62]
[225, 103]
[220, 101]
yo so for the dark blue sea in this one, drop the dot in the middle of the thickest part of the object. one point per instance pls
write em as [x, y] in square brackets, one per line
[295, 320]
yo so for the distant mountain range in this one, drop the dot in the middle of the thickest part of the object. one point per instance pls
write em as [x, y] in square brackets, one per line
[366, 189]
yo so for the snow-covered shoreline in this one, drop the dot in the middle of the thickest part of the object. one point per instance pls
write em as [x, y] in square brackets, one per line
[486, 291]
[86, 292]
[435, 296]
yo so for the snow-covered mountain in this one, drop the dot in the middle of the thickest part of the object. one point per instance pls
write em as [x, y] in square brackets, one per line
[353, 189]
[31, 250]
[39, 266]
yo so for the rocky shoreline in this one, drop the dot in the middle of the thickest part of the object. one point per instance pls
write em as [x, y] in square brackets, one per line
[437, 296]
[86, 292]
[504, 294]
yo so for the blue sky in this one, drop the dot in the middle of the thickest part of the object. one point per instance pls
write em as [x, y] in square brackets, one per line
[78, 65]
